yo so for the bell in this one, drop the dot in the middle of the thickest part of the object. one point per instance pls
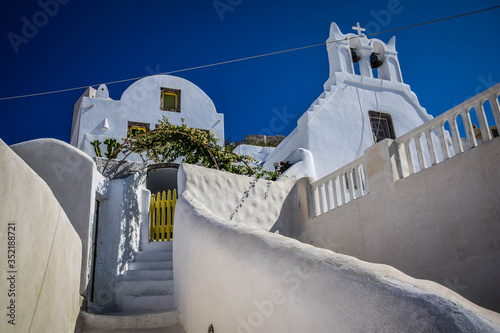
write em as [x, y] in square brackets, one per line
[355, 56]
[375, 61]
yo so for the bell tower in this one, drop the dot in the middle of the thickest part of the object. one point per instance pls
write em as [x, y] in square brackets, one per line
[375, 58]
[364, 101]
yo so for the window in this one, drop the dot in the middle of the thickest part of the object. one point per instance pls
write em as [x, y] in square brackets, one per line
[382, 127]
[170, 100]
[135, 128]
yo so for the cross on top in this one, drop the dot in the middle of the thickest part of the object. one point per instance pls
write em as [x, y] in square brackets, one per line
[358, 28]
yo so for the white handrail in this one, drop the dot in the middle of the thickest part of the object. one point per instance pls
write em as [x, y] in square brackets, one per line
[440, 146]
[344, 185]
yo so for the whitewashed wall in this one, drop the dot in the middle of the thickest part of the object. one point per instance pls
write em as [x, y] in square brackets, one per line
[121, 216]
[440, 224]
[336, 128]
[243, 279]
[239, 199]
[141, 103]
[45, 249]
[338, 131]
[74, 180]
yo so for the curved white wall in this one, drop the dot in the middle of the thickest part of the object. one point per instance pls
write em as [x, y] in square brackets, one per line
[235, 198]
[74, 180]
[242, 279]
[42, 286]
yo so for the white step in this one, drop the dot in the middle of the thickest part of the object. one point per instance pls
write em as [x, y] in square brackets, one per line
[147, 303]
[150, 265]
[166, 322]
[157, 246]
[123, 289]
[153, 256]
[144, 288]
[164, 274]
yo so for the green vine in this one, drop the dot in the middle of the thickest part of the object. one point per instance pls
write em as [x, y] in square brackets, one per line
[168, 142]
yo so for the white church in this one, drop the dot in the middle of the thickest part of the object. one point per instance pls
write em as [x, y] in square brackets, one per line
[387, 221]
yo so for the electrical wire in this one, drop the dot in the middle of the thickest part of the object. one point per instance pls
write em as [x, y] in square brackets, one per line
[250, 57]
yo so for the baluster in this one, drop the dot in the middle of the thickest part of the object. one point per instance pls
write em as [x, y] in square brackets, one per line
[420, 152]
[352, 195]
[483, 123]
[342, 186]
[469, 130]
[360, 181]
[495, 108]
[334, 192]
[455, 135]
[432, 147]
[443, 142]
[328, 199]
[409, 155]
[321, 203]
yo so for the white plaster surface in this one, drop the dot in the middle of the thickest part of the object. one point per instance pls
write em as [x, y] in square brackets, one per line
[242, 279]
[302, 161]
[47, 252]
[295, 210]
[440, 224]
[236, 198]
[336, 128]
[256, 152]
[72, 177]
[160, 322]
[141, 103]
[120, 218]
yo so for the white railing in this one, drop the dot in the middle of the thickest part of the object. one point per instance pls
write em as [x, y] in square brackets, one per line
[419, 149]
[342, 186]
[431, 143]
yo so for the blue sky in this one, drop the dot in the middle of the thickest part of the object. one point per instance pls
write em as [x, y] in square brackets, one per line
[90, 42]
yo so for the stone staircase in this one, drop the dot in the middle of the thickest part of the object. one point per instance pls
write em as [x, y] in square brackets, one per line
[144, 296]
[147, 285]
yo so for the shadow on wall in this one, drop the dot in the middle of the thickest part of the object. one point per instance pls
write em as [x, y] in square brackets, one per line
[118, 234]
[129, 238]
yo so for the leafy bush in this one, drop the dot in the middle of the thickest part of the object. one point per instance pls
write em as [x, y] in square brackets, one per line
[169, 142]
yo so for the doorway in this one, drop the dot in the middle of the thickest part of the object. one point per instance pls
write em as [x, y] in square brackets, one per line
[162, 182]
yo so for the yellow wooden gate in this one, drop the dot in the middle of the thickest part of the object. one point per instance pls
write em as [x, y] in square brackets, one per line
[161, 216]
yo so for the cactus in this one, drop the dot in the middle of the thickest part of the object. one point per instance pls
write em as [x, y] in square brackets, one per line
[97, 149]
